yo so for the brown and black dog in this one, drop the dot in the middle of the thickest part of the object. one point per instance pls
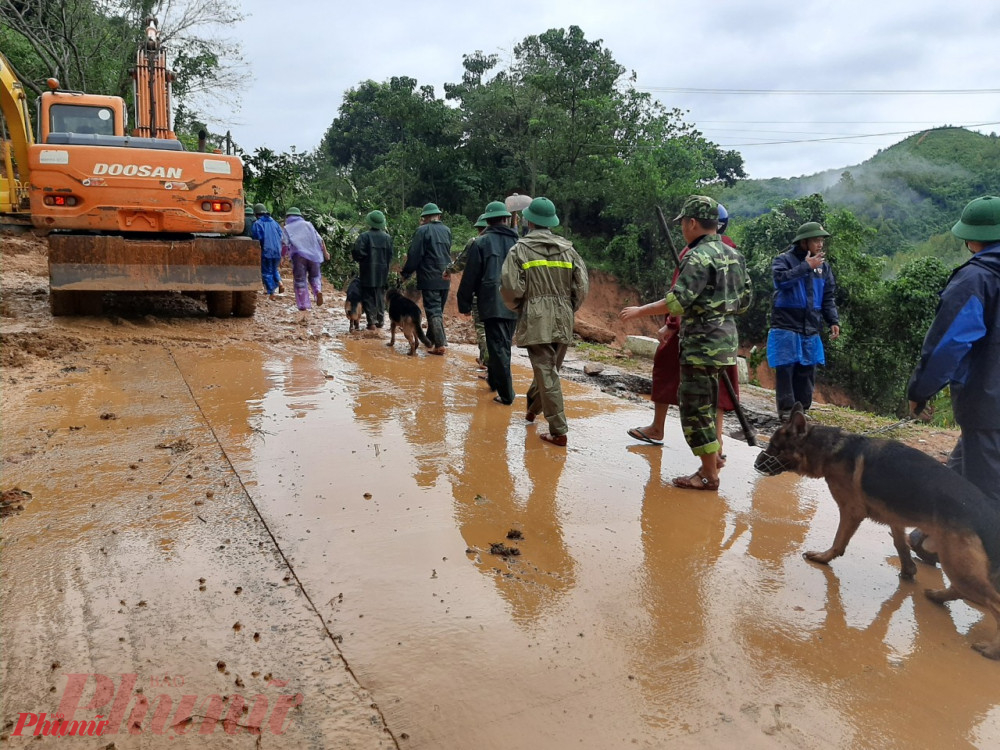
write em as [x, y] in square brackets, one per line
[352, 305]
[405, 313]
[899, 486]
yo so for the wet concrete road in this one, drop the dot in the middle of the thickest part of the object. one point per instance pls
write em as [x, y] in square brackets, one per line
[351, 495]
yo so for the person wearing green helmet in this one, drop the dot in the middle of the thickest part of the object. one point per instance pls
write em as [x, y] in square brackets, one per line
[373, 252]
[429, 257]
[962, 350]
[804, 297]
[710, 289]
[479, 291]
[667, 361]
[248, 220]
[544, 280]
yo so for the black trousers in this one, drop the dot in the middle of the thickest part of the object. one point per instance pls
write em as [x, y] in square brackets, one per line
[434, 301]
[499, 333]
[373, 303]
[794, 383]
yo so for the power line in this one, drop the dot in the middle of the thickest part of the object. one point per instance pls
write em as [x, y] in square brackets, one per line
[842, 138]
[825, 122]
[777, 132]
[817, 92]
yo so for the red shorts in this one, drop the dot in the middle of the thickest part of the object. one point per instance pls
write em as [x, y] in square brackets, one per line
[667, 376]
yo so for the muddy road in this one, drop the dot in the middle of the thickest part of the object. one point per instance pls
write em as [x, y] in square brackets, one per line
[268, 533]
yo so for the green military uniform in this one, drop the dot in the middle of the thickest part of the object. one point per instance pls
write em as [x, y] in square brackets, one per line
[480, 290]
[544, 280]
[712, 288]
[373, 252]
[429, 257]
[458, 266]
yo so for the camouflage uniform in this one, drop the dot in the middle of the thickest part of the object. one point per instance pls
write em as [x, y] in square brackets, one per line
[712, 288]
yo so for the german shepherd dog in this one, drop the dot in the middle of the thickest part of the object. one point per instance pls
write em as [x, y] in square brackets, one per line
[403, 312]
[352, 307]
[899, 486]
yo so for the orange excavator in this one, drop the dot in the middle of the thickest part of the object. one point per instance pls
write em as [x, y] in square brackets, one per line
[136, 212]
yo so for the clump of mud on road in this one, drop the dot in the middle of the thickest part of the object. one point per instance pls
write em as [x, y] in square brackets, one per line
[502, 550]
[12, 501]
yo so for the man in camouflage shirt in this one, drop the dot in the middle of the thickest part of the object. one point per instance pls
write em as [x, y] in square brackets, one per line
[712, 289]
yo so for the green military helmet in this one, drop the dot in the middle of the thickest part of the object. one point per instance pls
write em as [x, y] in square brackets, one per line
[542, 213]
[699, 207]
[980, 220]
[431, 209]
[481, 221]
[375, 220]
[495, 210]
[259, 209]
[293, 211]
[809, 230]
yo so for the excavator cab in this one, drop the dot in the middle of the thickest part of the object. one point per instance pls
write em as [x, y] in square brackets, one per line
[86, 119]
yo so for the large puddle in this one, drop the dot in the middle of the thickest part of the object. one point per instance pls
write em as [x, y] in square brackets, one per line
[634, 614]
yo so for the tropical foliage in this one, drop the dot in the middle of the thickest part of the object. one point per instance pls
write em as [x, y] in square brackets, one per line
[561, 118]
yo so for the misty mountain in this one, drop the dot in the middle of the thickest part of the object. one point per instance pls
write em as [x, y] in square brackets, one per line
[910, 192]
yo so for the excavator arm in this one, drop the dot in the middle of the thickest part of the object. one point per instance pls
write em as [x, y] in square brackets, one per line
[15, 139]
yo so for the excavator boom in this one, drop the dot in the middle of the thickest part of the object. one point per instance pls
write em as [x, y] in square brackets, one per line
[14, 143]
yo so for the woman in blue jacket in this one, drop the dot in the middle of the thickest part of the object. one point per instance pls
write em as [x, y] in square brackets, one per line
[804, 290]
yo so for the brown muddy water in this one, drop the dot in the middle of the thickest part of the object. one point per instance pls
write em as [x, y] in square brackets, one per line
[312, 544]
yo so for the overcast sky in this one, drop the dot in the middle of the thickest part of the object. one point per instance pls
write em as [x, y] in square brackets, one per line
[303, 55]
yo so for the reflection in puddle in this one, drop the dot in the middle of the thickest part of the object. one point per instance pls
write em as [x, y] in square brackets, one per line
[635, 613]
[662, 614]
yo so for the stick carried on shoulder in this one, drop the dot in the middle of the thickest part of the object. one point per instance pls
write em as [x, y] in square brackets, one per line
[748, 431]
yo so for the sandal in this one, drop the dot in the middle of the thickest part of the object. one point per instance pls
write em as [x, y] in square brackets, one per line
[720, 460]
[559, 440]
[636, 433]
[696, 482]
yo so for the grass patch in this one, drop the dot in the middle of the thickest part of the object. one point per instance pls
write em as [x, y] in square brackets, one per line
[609, 355]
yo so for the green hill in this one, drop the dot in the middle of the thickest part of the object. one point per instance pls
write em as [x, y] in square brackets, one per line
[910, 192]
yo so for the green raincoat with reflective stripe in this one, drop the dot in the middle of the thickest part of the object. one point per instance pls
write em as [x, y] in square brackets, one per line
[544, 281]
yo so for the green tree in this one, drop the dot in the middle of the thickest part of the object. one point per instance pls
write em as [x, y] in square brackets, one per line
[278, 180]
[398, 143]
[89, 45]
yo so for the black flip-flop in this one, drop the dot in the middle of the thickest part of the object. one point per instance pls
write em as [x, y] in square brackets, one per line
[636, 434]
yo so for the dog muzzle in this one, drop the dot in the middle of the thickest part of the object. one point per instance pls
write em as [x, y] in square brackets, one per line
[769, 465]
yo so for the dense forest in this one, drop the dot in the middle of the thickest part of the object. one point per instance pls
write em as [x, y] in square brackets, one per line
[562, 118]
